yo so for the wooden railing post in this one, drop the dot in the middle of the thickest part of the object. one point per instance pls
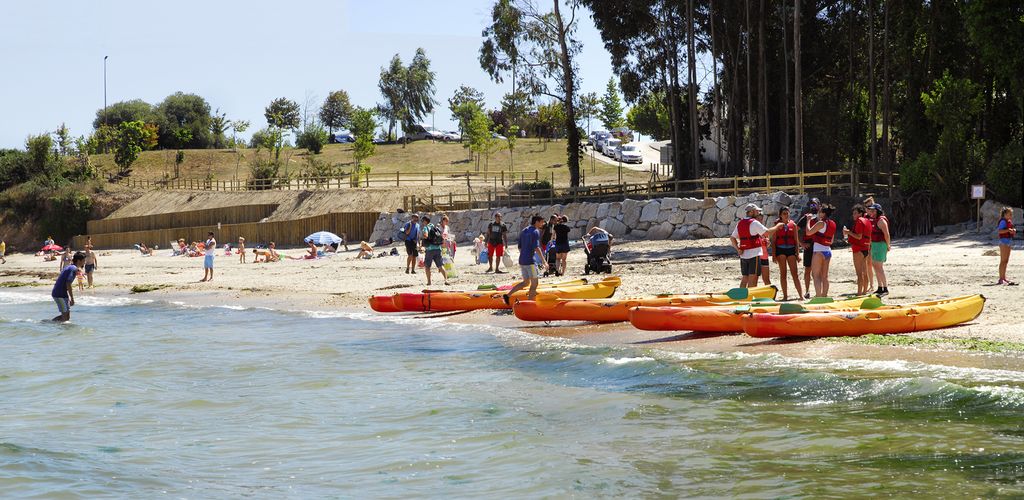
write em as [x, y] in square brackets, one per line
[705, 188]
[768, 183]
[828, 182]
[735, 186]
[398, 179]
[431, 177]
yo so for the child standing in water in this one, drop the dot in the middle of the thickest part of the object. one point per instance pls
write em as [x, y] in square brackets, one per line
[1006, 234]
[63, 293]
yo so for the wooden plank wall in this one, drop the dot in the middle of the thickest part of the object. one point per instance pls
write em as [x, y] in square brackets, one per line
[357, 225]
[190, 218]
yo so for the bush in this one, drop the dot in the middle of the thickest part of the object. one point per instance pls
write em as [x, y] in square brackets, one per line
[536, 189]
[67, 211]
[313, 139]
[1003, 176]
[262, 172]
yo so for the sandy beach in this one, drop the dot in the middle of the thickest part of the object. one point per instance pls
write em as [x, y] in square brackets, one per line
[919, 269]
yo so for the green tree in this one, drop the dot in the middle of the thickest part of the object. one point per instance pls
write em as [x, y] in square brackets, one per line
[516, 106]
[477, 133]
[550, 121]
[391, 84]
[182, 137]
[463, 95]
[62, 138]
[336, 112]
[238, 127]
[131, 137]
[219, 124]
[611, 106]
[408, 91]
[313, 138]
[538, 48]
[40, 155]
[125, 111]
[363, 126]
[184, 111]
[282, 113]
[650, 116]
[588, 107]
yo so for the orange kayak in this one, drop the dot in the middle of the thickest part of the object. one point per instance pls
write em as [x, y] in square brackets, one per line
[414, 301]
[610, 311]
[726, 319]
[883, 320]
[468, 301]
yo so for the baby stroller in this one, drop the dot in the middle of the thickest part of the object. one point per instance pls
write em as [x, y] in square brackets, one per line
[552, 260]
[597, 258]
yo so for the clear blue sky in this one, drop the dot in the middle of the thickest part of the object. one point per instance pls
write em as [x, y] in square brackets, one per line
[238, 55]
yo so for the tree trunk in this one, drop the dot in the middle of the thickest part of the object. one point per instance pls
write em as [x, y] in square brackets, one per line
[691, 57]
[718, 107]
[798, 98]
[749, 128]
[785, 94]
[762, 94]
[886, 93]
[873, 120]
[572, 132]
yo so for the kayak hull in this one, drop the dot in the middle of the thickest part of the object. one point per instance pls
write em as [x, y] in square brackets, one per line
[610, 311]
[418, 302]
[383, 304]
[886, 320]
[469, 301]
[719, 319]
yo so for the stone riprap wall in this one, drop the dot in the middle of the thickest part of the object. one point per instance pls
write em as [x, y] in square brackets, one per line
[659, 219]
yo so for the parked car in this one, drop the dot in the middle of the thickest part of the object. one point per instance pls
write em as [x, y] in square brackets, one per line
[622, 133]
[629, 153]
[421, 132]
[610, 146]
[600, 139]
[495, 135]
[592, 138]
[344, 136]
[451, 136]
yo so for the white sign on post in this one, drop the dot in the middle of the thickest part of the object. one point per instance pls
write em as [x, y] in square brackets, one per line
[978, 192]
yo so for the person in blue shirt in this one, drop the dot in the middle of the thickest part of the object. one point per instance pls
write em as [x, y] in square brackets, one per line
[62, 292]
[1006, 234]
[529, 246]
[411, 232]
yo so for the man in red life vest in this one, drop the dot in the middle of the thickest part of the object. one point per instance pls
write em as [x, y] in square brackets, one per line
[746, 239]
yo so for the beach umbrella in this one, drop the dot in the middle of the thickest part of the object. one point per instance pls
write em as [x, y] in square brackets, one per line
[323, 238]
[52, 248]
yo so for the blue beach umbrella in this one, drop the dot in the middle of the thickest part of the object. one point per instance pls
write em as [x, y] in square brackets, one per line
[324, 238]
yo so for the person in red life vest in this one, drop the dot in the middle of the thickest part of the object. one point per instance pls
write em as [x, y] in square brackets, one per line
[860, 243]
[809, 216]
[764, 268]
[1006, 235]
[786, 249]
[822, 231]
[880, 243]
[746, 239]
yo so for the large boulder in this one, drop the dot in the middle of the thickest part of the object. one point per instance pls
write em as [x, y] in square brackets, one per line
[615, 209]
[630, 213]
[691, 204]
[665, 215]
[771, 207]
[726, 215]
[670, 203]
[740, 201]
[693, 217]
[681, 232]
[650, 211]
[587, 210]
[701, 232]
[708, 203]
[614, 226]
[724, 201]
[661, 231]
[638, 234]
[602, 211]
[721, 230]
[781, 197]
[709, 217]
[679, 216]
[643, 226]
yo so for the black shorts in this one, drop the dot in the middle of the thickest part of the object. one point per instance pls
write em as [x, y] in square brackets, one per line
[749, 266]
[410, 248]
[785, 252]
[433, 256]
[808, 257]
[562, 248]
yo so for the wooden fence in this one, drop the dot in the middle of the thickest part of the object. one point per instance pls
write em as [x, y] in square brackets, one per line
[828, 182]
[356, 225]
[396, 179]
[190, 218]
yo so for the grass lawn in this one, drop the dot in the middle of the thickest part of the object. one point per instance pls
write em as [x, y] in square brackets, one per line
[419, 157]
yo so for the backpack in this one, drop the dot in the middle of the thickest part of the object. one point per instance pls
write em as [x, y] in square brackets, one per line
[434, 236]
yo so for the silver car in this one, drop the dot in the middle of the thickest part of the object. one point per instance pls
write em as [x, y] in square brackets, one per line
[629, 153]
[610, 146]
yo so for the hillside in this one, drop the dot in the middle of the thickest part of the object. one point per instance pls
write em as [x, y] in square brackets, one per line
[417, 157]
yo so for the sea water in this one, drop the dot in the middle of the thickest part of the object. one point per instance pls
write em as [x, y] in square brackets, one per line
[143, 399]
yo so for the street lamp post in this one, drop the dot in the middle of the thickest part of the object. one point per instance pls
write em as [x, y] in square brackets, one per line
[105, 90]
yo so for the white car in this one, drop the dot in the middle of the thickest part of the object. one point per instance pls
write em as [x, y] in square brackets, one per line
[610, 146]
[629, 153]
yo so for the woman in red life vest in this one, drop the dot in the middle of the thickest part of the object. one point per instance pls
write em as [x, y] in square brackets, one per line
[1006, 234]
[880, 243]
[822, 231]
[807, 242]
[860, 244]
[764, 268]
[786, 250]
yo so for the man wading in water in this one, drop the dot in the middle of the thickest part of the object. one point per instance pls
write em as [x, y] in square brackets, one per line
[62, 292]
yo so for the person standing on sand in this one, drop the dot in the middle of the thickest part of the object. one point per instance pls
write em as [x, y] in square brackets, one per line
[497, 241]
[881, 241]
[1006, 234]
[91, 263]
[562, 230]
[529, 249]
[211, 248]
[786, 251]
[411, 234]
[3, 252]
[433, 238]
[764, 269]
[807, 241]
[823, 230]
[62, 293]
[860, 244]
[746, 239]
[241, 250]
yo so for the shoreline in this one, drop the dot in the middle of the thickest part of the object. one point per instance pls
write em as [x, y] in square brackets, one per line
[341, 285]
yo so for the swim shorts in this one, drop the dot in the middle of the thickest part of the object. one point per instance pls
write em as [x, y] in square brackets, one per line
[90, 268]
[63, 306]
[208, 261]
[748, 267]
[879, 251]
[495, 249]
[410, 248]
[529, 271]
[433, 256]
[785, 251]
